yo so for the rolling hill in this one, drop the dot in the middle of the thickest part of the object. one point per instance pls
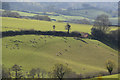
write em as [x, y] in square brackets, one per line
[83, 56]
[32, 51]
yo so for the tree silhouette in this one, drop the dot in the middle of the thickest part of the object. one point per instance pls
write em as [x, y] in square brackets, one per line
[67, 27]
[101, 26]
[110, 66]
[33, 72]
[16, 68]
[5, 72]
[54, 27]
[59, 70]
[38, 72]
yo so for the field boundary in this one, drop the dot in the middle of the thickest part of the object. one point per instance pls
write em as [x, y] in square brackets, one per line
[51, 33]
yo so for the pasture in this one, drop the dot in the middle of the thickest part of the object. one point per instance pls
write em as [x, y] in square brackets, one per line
[32, 51]
[28, 24]
[16, 24]
[83, 56]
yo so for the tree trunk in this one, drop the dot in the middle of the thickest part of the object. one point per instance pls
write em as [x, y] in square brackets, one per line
[15, 74]
[38, 76]
[68, 30]
[110, 73]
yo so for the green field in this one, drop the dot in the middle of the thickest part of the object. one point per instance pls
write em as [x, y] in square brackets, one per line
[27, 24]
[112, 76]
[81, 15]
[77, 15]
[39, 51]
[109, 77]
[24, 13]
[89, 57]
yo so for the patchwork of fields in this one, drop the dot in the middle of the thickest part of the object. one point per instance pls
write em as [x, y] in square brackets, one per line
[39, 51]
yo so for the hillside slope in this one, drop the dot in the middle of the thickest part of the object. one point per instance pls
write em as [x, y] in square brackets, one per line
[82, 56]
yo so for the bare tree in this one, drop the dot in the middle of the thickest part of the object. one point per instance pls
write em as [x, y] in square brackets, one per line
[5, 72]
[54, 27]
[67, 27]
[38, 72]
[102, 23]
[101, 26]
[32, 72]
[110, 66]
[16, 68]
[59, 70]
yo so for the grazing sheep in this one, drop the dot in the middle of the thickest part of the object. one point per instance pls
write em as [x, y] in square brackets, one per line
[45, 41]
[41, 37]
[83, 68]
[65, 49]
[65, 41]
[44, 36]
[6, 46]
[60, 53]
[66, 64]
[13, 47]
[33, 46]
[30, 40]
[57, 54]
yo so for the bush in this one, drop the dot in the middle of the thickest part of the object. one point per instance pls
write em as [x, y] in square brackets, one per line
[10, 14]
[38, 17]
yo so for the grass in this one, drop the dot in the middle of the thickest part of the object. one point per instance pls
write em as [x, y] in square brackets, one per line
[32, 51]
[109, 77]
[88, 13]
[27, 24]
[24, 13]
[81, 15]
[81, 57]
[112, 76]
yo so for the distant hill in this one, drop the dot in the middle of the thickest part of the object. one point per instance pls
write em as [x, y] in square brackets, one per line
[85, 10]
[51, 6]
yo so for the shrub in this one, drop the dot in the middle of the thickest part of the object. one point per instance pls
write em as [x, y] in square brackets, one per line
[38, 17]
[10, 14]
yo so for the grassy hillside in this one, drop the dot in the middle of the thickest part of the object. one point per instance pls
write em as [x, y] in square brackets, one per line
[110, 77]
[32, 51]
[28, 24]
[25, 24]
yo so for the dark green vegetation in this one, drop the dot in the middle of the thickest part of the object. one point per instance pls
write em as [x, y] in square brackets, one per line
[100, 31]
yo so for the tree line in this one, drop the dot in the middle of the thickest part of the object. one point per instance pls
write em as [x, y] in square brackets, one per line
[28, 32]
[102, 31]
[58, 71]
[8, 13]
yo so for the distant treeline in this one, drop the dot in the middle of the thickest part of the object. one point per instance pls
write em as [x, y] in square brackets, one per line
[53, 33]
[17, 15]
